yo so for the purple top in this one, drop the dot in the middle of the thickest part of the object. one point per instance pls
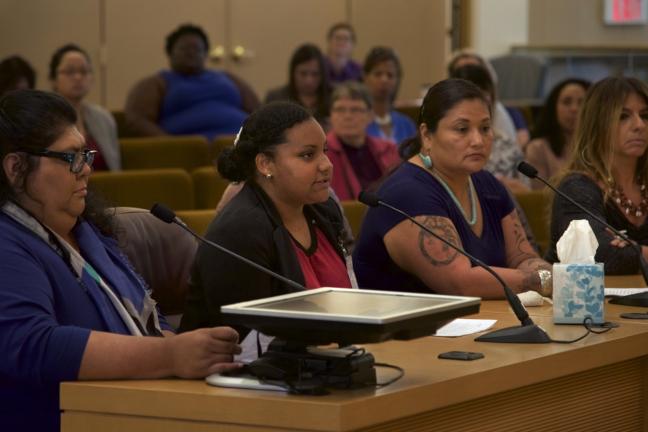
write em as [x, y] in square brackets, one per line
[413, 190]
[351, 71]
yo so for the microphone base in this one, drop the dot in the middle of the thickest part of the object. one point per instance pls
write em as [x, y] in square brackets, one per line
[528, 334]
[638, 299]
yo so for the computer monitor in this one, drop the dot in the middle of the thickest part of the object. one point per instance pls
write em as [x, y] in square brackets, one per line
[349, 316]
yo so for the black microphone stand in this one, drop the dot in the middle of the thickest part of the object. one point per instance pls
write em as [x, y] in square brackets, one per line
[527, 332]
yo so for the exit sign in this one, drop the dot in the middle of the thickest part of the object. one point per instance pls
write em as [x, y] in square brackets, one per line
[624, 12]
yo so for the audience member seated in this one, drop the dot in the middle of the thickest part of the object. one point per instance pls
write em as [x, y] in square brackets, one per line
[608, 173]
[505, 153]
[382, 75]
[550, 143]
[283, 218]
[307, 83]
[359, 160]
[502, 121]
[442, 185]
[189, 99]
[70, 73]
[16, 73]
[341, 67]
[71, 307]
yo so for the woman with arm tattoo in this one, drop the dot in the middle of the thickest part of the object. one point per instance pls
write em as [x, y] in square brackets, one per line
[442, 185]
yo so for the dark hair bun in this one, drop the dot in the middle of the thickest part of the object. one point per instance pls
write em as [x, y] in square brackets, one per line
[228, 167]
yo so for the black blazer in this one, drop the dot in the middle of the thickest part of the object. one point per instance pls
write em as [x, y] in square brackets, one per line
[250, 226]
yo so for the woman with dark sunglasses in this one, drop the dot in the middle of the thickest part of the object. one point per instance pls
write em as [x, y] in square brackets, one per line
[71, 306]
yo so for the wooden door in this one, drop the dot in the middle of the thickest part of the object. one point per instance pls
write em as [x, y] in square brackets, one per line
[136, 32]
[34, 29]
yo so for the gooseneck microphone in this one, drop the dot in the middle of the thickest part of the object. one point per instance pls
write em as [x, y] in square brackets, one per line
[167, 215]
[528, 332]
[639, 299]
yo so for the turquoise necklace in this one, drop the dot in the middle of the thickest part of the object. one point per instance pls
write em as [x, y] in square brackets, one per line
[427, 163]
[471, 197]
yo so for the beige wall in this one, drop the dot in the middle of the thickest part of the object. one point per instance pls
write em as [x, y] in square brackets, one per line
[35, 28]
[496, 25]
[578, 23]
[125, 38]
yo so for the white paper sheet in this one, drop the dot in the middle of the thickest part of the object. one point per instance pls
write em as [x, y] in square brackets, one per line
[623, 291]
[462, 327]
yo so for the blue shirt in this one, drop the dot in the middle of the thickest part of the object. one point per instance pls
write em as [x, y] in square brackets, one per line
[402, 128]
[46, 317]
[206, 104]
[415, 191]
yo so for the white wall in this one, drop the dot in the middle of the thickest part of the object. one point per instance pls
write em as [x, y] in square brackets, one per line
[498, 24]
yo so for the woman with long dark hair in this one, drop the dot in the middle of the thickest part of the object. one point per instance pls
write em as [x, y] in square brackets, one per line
[71, 306]
[307, 83]
[550, 143]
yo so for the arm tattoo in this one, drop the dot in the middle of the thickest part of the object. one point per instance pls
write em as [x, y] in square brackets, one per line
[531, 281]
[518, 254]
[434, 250]
[534, 264]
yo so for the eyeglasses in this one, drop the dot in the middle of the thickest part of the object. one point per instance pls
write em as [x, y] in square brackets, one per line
[77, 160]
[353, 110]
[71, 72]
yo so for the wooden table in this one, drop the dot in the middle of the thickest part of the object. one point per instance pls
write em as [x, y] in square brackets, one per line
[599, 383]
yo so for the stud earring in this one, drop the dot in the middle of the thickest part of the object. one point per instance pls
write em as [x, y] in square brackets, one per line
[268, 176]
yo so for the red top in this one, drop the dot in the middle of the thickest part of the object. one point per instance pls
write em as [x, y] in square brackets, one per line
[99, 163]
[345, 180]
[321, 264]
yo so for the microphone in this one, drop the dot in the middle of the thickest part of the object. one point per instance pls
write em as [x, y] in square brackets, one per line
[167, 215]
[528, 332]
[639, 299]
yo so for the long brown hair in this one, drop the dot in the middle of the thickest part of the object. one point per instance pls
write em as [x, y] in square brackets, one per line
[595, 135]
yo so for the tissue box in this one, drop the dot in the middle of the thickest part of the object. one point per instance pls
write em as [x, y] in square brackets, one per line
[578, 293]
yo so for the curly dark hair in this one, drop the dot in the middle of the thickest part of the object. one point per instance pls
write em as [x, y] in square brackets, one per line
[34, 119]
[547, 126]
[12, 69]
[185, 29]
[262, 131]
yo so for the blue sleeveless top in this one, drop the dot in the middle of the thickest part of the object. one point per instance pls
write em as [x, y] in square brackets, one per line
[206, 104]
[413, 190]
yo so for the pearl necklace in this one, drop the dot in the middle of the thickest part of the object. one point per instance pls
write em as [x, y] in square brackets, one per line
[626, 204]
[471, 196]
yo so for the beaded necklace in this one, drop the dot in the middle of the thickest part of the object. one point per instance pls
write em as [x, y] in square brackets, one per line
[471, 196]
[626, 204]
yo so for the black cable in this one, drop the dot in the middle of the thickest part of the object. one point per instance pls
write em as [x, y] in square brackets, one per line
[587, 323]
[401, 373]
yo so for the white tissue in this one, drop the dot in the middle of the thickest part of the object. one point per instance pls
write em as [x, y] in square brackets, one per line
[578, 243]
[531, 298]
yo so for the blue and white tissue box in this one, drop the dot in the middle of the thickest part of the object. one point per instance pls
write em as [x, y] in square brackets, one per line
[578, 292]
